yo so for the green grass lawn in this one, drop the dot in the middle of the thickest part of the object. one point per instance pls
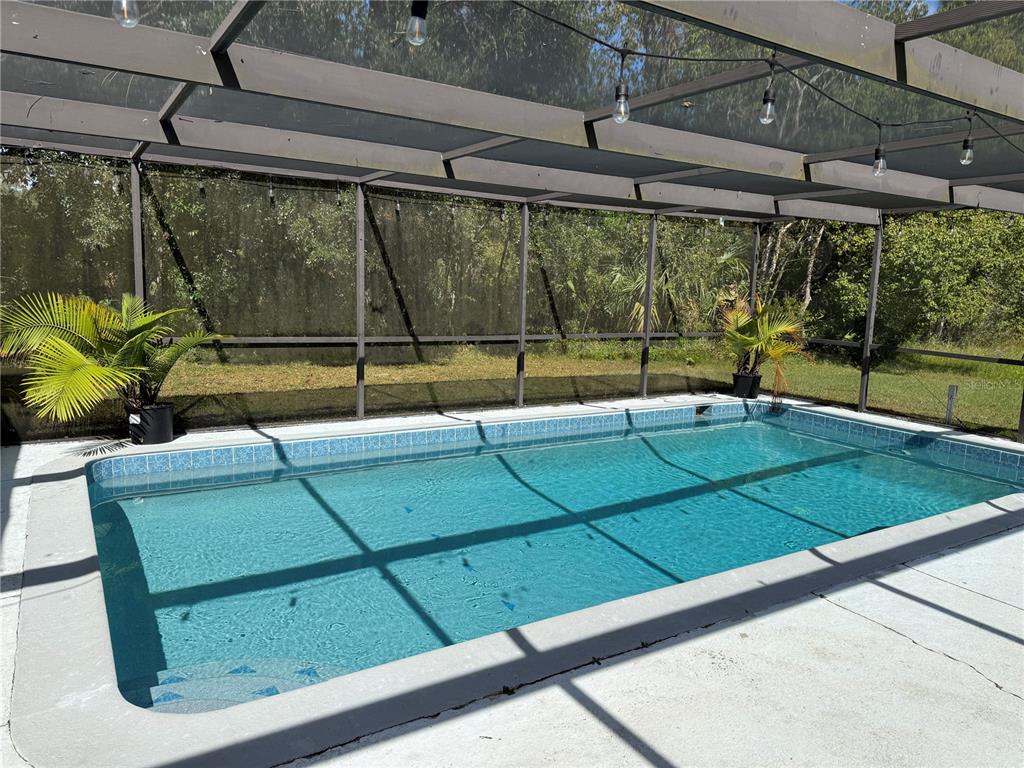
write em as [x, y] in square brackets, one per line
[989, 395]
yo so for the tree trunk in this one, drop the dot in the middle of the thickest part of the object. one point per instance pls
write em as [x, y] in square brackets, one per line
[810, 267]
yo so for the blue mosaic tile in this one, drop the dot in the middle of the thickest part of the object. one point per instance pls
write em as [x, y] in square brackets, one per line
[242, 454]
[263, 453]
[159, 462]
[134, 465]
[223, 457]
[203, 458]
[294, 450]
[319, 448]
[116, 467]
[181, 461]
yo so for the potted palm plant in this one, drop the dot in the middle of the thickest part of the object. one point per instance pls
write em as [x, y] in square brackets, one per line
[79, 352]
[753, 336]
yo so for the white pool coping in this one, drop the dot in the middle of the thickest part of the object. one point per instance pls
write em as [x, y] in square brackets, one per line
[67, 709]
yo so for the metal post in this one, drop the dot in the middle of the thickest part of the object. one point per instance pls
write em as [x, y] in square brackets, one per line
[950, 404]
[1020, 423]
[869, 326]
[753, 265]
[645, 354]
[360, 302]
[524, 253]
[137, 234]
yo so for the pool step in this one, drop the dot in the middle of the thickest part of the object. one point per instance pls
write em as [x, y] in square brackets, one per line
[215, 685]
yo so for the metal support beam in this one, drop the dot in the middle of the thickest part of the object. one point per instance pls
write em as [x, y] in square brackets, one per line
[1020, 423]
[360, 302]
[645, 352]
[993, 199]
[869, 325]
[238, 18]
[817, 209]
[138, 248]
[524, 254]
[754, 256]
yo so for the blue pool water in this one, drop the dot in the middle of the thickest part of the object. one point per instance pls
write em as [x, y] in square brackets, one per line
[222, 594]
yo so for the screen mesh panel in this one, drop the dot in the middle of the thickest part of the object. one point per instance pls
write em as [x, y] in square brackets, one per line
[440, 266]
[988, 396]
[25, 74]
[249, 256]
[699, 264]
[586, 271]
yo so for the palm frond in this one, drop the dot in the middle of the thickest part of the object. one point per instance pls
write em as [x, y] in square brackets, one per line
[29, 321]
[64, 384]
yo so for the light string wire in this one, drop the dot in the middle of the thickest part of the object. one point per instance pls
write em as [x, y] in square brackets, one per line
[772, 62]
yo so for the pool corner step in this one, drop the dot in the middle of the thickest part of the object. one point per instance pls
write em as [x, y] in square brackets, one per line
[204, 687]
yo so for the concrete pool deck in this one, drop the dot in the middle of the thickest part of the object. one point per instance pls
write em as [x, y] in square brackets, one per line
[921, 666]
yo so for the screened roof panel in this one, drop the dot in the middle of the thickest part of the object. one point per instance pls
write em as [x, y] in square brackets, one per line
[240, 158]
[71, 139]
[466, 186]
[612, 201]
[807, 121]
[498, 47]
[289, 114]
[196, 17]
[569, 158]
[880, 200]
[750, 182]
[44, 77]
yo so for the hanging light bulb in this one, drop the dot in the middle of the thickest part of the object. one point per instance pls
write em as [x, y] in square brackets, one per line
[967, 151]
[416, 29]
[125, 12]
[767, 115]
[721, 221]
[879, 167]
[270, 194]
[620, 112]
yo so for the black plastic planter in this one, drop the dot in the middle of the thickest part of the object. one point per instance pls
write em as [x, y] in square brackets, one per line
[746, 385]
[151, 424]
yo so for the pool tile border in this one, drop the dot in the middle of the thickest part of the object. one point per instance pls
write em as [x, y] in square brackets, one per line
[118, 477]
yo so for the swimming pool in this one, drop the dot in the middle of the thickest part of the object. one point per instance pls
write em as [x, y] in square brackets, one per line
[240, 573]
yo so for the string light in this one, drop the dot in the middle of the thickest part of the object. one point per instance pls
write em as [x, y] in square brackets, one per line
[125, 12]
[768, 111]
[967, 151]
[620, 113]
[270, 194]
[416, 29]
[767, 116]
